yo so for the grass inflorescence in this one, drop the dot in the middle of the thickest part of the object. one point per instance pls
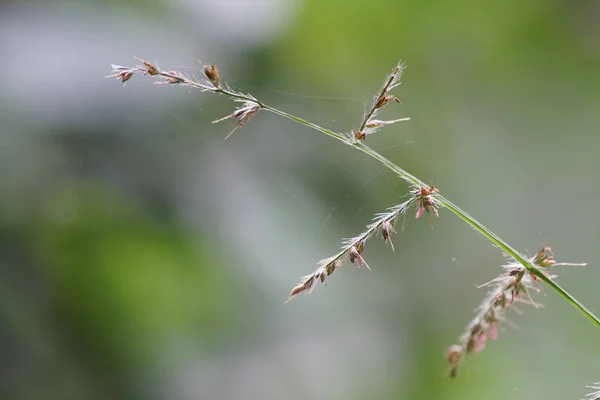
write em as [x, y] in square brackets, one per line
[520, 276]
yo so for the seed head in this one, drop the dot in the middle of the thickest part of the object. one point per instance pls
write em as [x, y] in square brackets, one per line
[172, 77]
[387, 228]
[360, 135]
[212, 74]
[243, 114]
[150, 69]
[425, 200]
[355, 255]
[513, 285]
[385, 99]
[122, 74]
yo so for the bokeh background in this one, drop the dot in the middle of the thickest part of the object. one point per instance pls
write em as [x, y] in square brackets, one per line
[144, 257]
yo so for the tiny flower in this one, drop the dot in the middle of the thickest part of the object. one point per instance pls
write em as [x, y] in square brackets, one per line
[385, 99]
[150, 68]
[307, 283]
[375, 123]
[124, 76]
[544, 258]
[453, 355]
[296, 290]
[332, 266]
[212, 74]
[325, 270]
[481, 339]
[386, 230]
[425, 201]
[244, 113]
[322, 276]
[355, 255]
[173, 77]
[372, 126]
[121, 73]
[419, 212]
[360, 135]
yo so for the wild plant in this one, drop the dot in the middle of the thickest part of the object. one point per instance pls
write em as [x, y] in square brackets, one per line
[519, 278]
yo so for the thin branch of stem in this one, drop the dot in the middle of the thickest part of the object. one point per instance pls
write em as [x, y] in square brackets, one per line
[352, 248]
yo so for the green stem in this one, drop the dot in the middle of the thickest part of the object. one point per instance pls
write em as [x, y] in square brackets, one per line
[328, 132]
[450, 206]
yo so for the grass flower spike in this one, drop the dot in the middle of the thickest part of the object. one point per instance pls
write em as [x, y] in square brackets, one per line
[352, 248]
[369, 124]
[211, 83]
[514, 285]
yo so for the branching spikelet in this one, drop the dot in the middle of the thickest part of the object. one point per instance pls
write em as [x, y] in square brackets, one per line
[512, 286]
[352, 248]
[243, 114]
[211, 83]
[369, 124]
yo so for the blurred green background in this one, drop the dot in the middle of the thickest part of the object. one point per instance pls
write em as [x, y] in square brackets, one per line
[144, 257]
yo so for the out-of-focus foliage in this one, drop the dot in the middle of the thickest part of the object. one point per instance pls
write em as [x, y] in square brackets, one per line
[142, 256]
